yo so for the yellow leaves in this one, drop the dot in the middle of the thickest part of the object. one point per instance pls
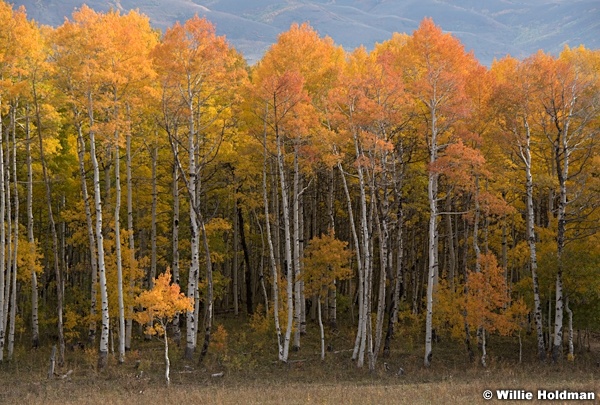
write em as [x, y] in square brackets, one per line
[219, 340]
[488, 303]
[325, 260]
[29, 257]
[162, 303]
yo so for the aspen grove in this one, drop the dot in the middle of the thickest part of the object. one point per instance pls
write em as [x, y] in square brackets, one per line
[405, 185]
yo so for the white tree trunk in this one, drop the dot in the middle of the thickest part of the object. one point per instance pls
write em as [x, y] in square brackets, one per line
[167, 361]
[13, 297]
[35, 332]
[366, 250]
[288, 251]
[118, 250]
[358, 262]
[3, 314]
[570, 315]
[525, 153]
[153, 258]
[272, 261]
[296, 242]
[175, 245]
[103, 350]
[321, 327]
[91, 237]
[131, 240]
[194, 273]
[432, 249]
[562, 151]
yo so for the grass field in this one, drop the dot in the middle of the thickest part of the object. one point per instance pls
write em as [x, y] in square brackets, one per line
[251, 375]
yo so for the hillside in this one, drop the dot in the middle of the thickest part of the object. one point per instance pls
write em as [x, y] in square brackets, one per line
[491, 29]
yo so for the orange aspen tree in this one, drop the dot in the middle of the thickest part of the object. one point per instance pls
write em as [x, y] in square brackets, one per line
[198, 73]
[436, 69]
[159, 306]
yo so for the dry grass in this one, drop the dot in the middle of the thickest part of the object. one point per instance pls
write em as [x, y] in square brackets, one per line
[253, 376]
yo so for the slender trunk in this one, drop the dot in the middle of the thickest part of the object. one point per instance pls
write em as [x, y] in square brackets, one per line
[537, 309]
[103, 350]
[399, 274]
[483, 349]
[3, 314]
[321, 327]
[131, 240]
[194, 272]
[91, 237]
[432, 269]
[35, 332]
[167, 361]
[450, 241]
[209, 302]
[153, 257]
[561, 155]
[261, 273]
[118, 250]
[9, 239]
[366, 248]
[272, 261]
[289, 270]
[359, 263]
[245, 250]
[57, 269]
[384, 239]
[332, 298]
[570, 315]
[296, 242]
[13, 296]
[236, 263]
[175, 246]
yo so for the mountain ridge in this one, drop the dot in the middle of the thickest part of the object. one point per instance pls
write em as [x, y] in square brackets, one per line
[491, 29]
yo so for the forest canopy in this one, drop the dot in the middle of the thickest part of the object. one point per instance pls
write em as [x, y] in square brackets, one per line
[406, 182]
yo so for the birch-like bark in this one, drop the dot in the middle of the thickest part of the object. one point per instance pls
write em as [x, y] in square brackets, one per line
[91, 237]
[175, 245]
[288, 250]
[570, 315]
[384, 240]
[525, 154]
[9, 239]
[321, 327]
[399, 274]
[118, 250]
[432, 248]
[296, 241]
[103, 349]
[209, 301]
[35, 331]
[131, 240]
[13, 296]
[194, 272]
[153, 257]
[272, 261]
[562, 152]
[167, 361]
[15, 237]
[359, 263]
[3, 314]
[366, 248]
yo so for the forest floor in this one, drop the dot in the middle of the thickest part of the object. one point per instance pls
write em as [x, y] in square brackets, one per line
[251, 374]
